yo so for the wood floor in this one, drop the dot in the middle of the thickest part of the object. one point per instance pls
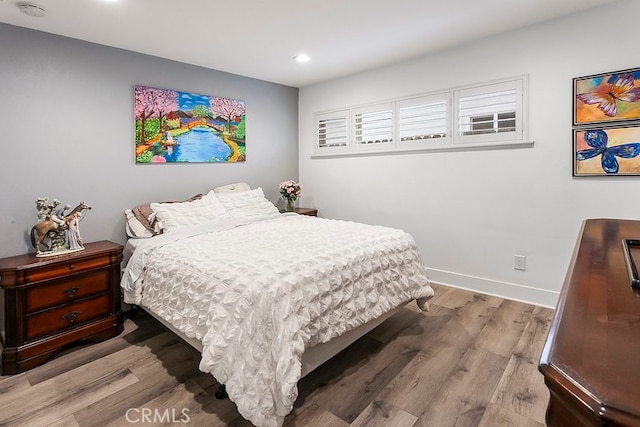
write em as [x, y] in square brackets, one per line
[470, 361]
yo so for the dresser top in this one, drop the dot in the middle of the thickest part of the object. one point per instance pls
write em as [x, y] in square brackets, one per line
[26, 261]
[594, 340]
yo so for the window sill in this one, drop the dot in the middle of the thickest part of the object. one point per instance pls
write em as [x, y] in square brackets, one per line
[439, 148]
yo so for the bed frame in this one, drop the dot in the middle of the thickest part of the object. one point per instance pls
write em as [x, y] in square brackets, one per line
[312, 357]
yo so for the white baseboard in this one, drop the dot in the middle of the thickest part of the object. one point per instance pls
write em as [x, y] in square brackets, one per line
[512, 291]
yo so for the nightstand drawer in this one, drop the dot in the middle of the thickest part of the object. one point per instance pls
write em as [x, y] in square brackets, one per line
[70, 315]
[63, 291]
[64, 268]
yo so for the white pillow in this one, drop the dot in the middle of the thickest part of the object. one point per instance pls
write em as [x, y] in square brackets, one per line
[232, 188]
[176, 215]
[246, 204]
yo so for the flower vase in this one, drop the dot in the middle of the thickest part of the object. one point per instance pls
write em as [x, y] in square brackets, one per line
[290, 207]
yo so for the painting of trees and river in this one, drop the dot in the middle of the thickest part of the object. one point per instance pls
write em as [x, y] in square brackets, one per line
[173, 126]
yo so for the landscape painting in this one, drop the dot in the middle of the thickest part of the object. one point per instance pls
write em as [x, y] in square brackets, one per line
[173, 126]
[613, 151]
[606, 98]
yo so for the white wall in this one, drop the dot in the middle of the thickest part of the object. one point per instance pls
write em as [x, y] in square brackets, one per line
[471, 211]
[68, 132]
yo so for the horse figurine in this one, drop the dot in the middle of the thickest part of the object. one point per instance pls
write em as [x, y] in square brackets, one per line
[45, 226]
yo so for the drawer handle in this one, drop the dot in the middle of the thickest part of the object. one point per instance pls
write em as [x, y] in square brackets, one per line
[71, 266]
[71, 317]
[71, 292]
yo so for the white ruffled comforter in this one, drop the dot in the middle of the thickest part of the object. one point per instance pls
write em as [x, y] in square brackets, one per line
[256, 293]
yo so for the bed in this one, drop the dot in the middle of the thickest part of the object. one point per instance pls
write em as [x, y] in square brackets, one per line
[267, 297]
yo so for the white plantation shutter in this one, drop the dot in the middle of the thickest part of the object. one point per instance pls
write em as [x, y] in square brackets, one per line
[373, 125]
[490, 112]
[332, 130]
[423, 120]
[481, 113]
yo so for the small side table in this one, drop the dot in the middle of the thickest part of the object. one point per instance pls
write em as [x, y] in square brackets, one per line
[303, 211]
[306, 211]
[48, 302]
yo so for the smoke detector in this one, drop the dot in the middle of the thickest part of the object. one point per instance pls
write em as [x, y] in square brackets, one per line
[32, 10]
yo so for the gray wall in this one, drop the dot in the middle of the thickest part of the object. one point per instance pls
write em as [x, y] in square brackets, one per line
[66, 108]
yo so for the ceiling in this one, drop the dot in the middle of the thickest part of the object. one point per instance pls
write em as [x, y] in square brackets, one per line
[259, 38]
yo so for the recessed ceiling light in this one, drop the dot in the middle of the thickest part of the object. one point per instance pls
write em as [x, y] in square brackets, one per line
[303, 57]
[32, 10]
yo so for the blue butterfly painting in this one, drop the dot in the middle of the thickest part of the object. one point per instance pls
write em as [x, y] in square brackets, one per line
[598, 140]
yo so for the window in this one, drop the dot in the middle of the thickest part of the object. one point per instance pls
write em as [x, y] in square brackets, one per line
[490, 112]
[332, 130]
[469, 117]
[373, 125]
[497, 122]
[423, 120]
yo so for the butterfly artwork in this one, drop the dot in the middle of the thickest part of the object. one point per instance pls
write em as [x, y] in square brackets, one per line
[612, 151]
[607, 97]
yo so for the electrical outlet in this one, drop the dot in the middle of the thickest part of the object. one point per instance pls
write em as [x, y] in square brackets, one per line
[520, 262]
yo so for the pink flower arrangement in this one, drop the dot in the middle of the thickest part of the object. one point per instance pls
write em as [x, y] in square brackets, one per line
[290, 190]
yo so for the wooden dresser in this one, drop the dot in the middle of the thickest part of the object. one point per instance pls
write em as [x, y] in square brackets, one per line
[591, 359]
[52, 301]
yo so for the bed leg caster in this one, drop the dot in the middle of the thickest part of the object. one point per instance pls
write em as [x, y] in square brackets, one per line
[221, 393]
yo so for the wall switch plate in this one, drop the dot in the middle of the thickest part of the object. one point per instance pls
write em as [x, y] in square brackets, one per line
[520, 262]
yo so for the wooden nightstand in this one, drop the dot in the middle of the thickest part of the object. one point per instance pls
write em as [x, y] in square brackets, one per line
[303, 211]
[306, 211]
[52, 301]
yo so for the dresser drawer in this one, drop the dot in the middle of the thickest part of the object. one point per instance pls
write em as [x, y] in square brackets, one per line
[56, 319]
[68, 290]
[64, 268]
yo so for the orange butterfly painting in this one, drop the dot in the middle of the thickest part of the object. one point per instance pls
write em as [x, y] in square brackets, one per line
[607, 97]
